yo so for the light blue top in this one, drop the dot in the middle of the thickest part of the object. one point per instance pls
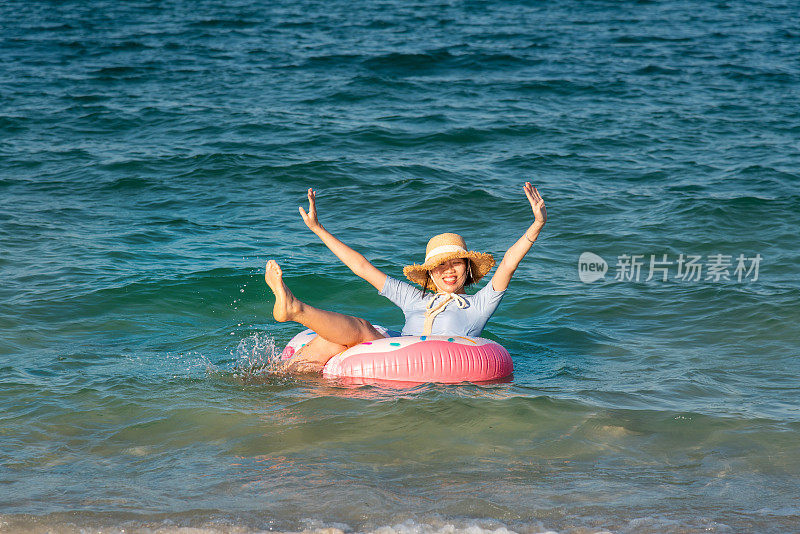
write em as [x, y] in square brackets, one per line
[453, 321]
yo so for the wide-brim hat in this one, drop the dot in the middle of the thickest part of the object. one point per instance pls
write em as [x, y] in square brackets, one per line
[444, 247]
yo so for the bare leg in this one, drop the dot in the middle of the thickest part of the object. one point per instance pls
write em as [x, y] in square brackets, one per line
[313, 356]
[336, 328]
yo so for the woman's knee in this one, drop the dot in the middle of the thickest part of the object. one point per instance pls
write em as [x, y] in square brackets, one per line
[369, 333]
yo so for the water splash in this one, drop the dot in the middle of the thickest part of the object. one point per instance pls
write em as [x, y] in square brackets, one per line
[257, 356]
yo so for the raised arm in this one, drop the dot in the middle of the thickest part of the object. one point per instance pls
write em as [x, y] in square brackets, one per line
[355, 261]
[518, 250]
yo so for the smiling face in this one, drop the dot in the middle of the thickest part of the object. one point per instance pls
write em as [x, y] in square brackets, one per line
[451, 275]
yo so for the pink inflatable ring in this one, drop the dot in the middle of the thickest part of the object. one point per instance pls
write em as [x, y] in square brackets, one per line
[443, 359]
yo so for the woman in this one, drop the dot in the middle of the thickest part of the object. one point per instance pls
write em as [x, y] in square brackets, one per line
[447, 269]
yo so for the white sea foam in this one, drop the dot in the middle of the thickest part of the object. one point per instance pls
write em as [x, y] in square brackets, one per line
[57, 523]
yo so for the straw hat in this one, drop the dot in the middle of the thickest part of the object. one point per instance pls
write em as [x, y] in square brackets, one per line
[445, 247]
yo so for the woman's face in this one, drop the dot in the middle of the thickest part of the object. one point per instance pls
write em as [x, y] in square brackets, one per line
[451, 275]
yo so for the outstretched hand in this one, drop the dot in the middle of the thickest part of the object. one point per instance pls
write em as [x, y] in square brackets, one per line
[310, 218]
[537, 203]
[517, 251]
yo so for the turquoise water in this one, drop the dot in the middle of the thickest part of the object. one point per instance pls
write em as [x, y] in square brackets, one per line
[152, 158]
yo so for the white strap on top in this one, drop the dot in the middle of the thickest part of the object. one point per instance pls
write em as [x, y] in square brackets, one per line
[431, 312]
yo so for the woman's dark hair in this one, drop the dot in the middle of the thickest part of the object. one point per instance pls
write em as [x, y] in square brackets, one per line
[425, 285]
[468, 282]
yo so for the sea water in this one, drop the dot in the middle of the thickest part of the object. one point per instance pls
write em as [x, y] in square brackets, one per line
[153, 155]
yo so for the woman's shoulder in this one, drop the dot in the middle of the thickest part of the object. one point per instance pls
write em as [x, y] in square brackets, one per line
[401, 292]
[486, 295]
[395, 284]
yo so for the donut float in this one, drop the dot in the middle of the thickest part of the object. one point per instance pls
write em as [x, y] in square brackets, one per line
[442, 359]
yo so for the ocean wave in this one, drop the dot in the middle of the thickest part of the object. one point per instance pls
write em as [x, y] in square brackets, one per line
[442, 60]
[224, 23]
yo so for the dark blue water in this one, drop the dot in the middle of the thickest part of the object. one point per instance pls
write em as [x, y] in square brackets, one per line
[152, 158]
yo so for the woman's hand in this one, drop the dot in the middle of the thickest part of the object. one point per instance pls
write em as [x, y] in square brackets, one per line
[355, 261]
[537, 203]
[310, 218]
[502, 276]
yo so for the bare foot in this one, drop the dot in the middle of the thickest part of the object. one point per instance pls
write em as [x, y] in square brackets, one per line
[286, 305]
